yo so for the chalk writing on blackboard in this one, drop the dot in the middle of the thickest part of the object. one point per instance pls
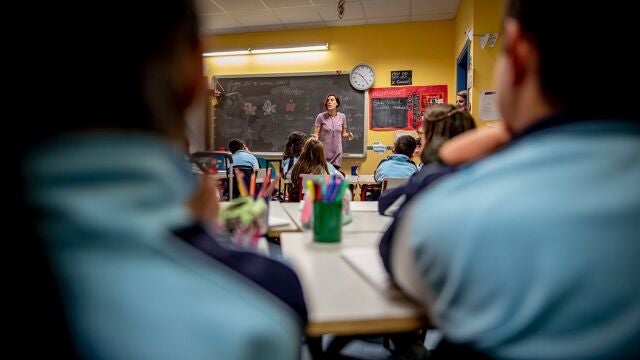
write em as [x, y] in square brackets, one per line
[263, 109]
[401, 77]
[389, 113]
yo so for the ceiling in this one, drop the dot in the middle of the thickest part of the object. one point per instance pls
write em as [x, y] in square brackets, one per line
[239, 16]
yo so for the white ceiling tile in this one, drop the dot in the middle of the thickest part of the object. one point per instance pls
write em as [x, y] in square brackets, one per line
[332, 2]
[432, 17]
[388, 20]
[274, 4]
[256, 18]
[219, 21]
[304, 25]
[346, 22]
[352, 11]
[267, 28]
[207, 7]
[237, 5]
[383, 8]
[229, 31]
[299, 14]
[421, 7]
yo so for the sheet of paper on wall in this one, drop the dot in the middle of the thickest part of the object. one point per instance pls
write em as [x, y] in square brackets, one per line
[367, 262]
[489, 106]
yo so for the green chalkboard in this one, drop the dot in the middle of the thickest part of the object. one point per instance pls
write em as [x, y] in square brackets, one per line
[263, 109]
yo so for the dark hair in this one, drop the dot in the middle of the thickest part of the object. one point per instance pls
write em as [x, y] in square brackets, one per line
[406, 145]
[294, 144]
[326, 98]
[440, 123]
[141, 81]
[235, 145]
[561, 42]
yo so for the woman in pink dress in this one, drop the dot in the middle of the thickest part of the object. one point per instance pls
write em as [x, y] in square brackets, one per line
[330, 128]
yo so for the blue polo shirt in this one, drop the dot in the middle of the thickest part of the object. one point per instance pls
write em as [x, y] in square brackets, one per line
[395, 166]
[243, 158]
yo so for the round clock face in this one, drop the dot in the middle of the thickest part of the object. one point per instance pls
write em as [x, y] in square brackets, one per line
[362, 77]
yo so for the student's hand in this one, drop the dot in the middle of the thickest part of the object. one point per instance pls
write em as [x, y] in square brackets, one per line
[314, 136]
[204, 202]
[473, 145]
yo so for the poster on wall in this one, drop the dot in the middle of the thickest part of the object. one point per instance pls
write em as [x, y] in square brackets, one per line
[401, 108]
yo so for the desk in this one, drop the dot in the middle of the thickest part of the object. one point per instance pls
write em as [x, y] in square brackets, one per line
[341, 301]
[363, 221]
[276, 210]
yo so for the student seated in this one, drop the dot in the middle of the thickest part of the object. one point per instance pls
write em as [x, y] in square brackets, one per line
[292, 152]
[398, 165]
[532, 252]
[440, 123]
[311, 161]
[241, 155]
[417, 153]
[139, 277]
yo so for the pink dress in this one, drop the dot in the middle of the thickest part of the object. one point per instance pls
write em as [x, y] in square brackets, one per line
[331, 135]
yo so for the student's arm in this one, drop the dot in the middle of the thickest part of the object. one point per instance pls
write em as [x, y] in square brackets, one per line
[473, 145]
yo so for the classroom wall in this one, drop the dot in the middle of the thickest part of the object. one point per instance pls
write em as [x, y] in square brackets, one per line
[427, 48]
[487, 18]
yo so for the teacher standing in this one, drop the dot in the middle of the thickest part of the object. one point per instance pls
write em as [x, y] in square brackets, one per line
[330, 128]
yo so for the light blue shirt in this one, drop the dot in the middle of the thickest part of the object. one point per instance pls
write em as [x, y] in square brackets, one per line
[244, 158]
[285, 165]
[395, 166]
[333, 170]
[533, 252]
[131, 289]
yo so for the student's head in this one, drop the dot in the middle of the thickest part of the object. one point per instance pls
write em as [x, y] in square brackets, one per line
[331, 101]
[418, 151]
[312, 152]
[440, 123]
[130, 76]
[235, 145]
[542, 67]
[295, 143]
[461, 99]
[311, 160]
[405, 145]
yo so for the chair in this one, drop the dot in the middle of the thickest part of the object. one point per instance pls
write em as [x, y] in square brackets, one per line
[214, 162]
[247, 171]
[302, 179]
[390, 183]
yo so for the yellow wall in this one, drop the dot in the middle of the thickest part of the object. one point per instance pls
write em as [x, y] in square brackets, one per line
[427, 48]
[487, 19]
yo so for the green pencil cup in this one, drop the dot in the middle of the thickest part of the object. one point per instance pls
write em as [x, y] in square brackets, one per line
[327, 222]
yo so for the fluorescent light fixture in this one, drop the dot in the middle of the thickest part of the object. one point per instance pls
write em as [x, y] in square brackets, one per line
[249, 51]
[227, 53]
[324, 46]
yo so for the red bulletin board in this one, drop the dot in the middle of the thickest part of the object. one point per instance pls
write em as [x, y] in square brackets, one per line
[394, 102]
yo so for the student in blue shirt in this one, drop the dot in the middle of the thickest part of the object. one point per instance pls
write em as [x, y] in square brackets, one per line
[139, 276]
[292, 152]
[532, 252]
[241, 155]
[398, 165]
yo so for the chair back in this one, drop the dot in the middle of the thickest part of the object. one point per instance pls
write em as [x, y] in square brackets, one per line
[390, 183]
[303, 178]
[247, 171]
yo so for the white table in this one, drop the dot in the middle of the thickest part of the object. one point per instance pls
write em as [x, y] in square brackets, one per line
[339, 299]
[363, 221]
[276, 211]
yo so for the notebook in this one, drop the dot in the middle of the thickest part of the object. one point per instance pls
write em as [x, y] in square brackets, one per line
[367, 262]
